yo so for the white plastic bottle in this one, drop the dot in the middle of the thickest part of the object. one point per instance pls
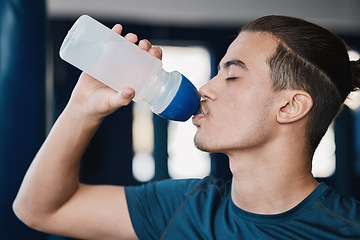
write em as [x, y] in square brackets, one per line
[113, 60]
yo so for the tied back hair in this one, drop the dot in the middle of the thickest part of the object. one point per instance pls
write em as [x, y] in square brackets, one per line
[355, 67]
[313, 59]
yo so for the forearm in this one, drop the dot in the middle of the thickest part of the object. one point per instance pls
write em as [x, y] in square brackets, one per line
[53, 175]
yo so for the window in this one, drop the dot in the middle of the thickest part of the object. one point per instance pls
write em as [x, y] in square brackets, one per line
[324, 160]
[143, 142]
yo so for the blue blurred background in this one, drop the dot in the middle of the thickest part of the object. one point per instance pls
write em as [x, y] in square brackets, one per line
[35, 85]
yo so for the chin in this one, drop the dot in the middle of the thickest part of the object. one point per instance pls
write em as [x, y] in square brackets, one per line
[200, 144]
[203, 145]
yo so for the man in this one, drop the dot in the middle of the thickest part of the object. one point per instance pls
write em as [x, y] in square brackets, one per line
[279, 86]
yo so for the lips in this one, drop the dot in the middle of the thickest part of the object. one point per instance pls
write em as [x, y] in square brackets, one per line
[199, 115]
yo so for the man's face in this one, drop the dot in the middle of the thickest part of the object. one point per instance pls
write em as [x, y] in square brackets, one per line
[238, 111]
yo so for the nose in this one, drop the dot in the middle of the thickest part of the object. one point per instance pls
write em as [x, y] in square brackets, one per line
[208, 91]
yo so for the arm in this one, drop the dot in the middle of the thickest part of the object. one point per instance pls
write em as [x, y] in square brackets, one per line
[50, 198]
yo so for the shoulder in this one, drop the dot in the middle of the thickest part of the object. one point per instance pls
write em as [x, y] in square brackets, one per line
[182, 187]
[173, 192]
[211, 185]
[154, 205]
[178, 186]
[342, 207]
[338, 201]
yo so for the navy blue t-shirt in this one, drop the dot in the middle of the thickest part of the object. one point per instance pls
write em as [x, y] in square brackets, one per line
[203, 209]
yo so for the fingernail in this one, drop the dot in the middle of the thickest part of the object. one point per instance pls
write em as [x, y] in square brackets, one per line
[127, 93]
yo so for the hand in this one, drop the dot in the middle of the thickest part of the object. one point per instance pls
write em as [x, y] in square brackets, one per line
[96, 100]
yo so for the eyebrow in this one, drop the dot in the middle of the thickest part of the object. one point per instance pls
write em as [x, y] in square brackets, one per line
[235, 62]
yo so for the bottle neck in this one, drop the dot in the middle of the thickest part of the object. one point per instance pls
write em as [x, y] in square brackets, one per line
[161, 89]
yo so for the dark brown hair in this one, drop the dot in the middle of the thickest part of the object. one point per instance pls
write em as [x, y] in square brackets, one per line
[312, 59]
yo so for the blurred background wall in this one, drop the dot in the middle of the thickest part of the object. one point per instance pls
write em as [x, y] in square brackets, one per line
[35, 85]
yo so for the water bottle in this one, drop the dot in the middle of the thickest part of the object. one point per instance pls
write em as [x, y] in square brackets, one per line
[118, 63]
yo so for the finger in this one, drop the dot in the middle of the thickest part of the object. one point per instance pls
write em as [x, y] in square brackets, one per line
[156, 52]
[131, 37]
[121, 99]
[145, 45]
[128, 93]
[117, 28]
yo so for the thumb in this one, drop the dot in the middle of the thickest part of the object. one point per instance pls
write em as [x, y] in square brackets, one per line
[127, 93]
[122, 98]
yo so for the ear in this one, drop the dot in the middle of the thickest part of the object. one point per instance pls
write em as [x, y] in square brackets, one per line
[296, 105]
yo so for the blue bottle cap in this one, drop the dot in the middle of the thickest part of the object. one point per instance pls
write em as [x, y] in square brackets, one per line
[184, 104]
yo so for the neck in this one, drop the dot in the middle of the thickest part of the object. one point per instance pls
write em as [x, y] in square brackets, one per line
[271, 183]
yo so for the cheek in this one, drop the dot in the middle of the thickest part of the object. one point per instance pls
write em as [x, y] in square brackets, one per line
[239, 102]
[243, 108]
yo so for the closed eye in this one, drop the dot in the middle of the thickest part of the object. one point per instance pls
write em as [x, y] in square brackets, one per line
[231, 78]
